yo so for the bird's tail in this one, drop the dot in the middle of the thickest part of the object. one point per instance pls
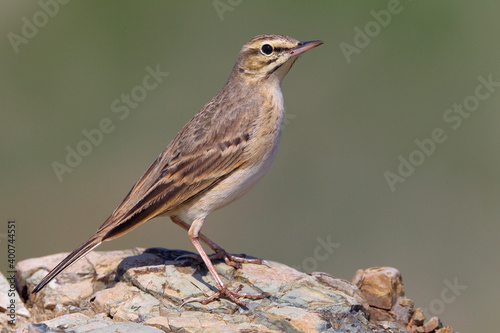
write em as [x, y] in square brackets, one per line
[69, 260]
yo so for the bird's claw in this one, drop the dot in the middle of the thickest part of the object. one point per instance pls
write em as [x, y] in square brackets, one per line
[233, 295]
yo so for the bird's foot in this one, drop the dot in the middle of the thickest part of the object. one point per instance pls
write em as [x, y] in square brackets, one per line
[233, 259]
[232, 295]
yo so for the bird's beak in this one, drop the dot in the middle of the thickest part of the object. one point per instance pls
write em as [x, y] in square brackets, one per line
[305, 46]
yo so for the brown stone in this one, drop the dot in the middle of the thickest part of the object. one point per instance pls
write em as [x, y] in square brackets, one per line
[432, 325]
[446, 329]
[418, 318]
[381, 286]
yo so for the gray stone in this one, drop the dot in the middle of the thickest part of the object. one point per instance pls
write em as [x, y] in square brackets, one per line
[144, 290]
[79, 323]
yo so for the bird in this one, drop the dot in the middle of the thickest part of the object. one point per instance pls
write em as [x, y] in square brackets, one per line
[214, 159]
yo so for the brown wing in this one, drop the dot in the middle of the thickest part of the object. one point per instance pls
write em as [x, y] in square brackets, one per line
[207, 150]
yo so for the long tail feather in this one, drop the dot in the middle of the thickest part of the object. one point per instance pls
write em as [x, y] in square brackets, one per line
[69, 260]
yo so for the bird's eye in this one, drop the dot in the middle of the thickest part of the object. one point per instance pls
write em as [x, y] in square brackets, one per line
[266, 49]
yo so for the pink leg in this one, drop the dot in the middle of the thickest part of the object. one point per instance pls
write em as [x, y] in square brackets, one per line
[230, 259]
[194, 236]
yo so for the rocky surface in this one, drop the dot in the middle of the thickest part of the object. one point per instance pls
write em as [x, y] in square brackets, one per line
[143, 291]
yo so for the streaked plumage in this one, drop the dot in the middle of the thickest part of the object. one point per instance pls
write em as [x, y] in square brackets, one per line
[215, 158]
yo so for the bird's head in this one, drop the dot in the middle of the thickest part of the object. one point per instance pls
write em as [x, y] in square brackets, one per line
[270, 56]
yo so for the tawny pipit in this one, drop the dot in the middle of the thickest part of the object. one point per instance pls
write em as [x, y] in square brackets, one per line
[215, 158]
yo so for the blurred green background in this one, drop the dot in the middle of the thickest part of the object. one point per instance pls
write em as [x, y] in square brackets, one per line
[347, 123]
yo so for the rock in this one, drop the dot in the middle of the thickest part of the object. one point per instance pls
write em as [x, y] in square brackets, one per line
[402, 310]
[80, 323]
[432, 325]
[384, 291]
[143, 290]
[380, 285]
[416, 324]
[418, 318]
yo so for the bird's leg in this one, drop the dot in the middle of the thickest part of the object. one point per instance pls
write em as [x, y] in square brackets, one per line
[194, 236]
[220, 253]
